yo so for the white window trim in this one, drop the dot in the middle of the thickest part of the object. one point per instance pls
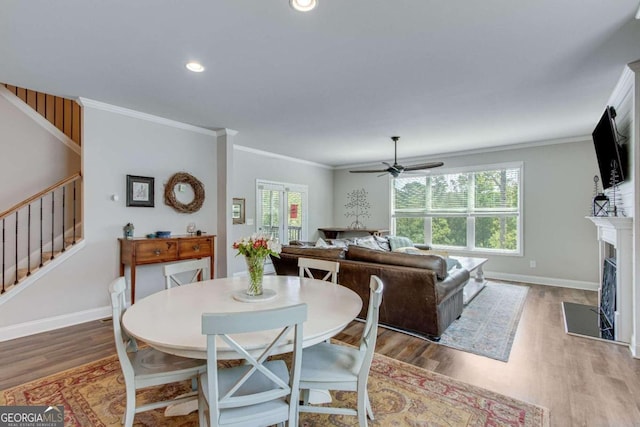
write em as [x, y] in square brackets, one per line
[471, 214]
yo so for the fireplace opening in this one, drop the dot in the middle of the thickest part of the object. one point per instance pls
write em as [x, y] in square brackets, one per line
[596, 321]
[608, 296]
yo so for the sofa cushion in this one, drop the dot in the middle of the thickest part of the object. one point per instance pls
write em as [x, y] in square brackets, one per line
[327, 253]
[432, 262]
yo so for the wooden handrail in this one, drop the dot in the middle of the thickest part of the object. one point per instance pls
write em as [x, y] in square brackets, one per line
[40, 195]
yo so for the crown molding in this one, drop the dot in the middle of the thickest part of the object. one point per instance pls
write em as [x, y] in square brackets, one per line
[39, 120]
[226, 131]
[280, 156]
[98, 105]
[624, 85]
[516, 146]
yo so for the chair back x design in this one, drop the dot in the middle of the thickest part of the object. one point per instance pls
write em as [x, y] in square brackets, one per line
[181, 273]
[331, 267]
[145, 367]
[327, 366]
[259, 391]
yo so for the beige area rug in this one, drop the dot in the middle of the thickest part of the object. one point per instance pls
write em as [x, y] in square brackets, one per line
[401, 395]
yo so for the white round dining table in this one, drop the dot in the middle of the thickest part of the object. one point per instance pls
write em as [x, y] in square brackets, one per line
[171, 320]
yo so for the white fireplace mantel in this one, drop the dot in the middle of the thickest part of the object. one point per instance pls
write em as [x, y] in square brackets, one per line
[618, 232]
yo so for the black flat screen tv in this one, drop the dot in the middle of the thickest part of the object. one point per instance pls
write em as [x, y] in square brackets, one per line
[607, 148]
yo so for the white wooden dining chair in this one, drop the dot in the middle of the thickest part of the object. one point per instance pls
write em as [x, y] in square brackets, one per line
[181, 273]
[328, 366]
[305, 265]
[146, 367]
[259, 392]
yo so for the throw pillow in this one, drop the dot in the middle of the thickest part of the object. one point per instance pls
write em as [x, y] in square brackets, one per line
[453, 263]
[368, 242]
[341, 243]
[321, 243]
[399, 242]
[383, 242]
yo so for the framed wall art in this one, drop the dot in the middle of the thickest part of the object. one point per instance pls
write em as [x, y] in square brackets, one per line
[237, 211]
[140, 192]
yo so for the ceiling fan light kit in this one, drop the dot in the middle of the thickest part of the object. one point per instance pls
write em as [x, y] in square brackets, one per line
[395, 170]
[303, 5]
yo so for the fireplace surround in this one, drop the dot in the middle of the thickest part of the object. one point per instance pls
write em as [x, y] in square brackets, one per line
[612, 318]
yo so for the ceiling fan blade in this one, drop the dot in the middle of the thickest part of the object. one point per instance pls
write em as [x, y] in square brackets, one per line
[370, 171]
[423, 166]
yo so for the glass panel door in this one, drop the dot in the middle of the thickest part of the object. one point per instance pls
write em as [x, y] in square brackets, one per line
[269, 213]
[294, 217]
[282, 211]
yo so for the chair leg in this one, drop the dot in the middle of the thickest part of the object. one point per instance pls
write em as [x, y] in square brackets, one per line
[362, 405]
[130, 408]
[201, 405]
[369, 410]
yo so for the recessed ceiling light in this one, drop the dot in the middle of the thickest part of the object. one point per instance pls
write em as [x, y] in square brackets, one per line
[303, 5]
[196, 67]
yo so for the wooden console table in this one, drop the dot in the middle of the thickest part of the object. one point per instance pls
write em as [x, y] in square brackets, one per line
[334, 232]
[141, 251]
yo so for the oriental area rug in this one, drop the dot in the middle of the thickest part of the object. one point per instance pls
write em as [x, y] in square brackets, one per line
[401, 395]
[489, 322]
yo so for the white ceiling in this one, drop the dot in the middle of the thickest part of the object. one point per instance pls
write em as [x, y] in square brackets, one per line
[332, 85]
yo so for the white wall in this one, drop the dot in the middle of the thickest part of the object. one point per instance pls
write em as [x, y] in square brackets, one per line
[115, 145]
[32, 159]
[250, 165]
[558, 187]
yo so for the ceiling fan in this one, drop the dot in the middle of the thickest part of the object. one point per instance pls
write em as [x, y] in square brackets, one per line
[395, 170]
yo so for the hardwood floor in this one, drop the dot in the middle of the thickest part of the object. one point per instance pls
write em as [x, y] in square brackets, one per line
[583, 382]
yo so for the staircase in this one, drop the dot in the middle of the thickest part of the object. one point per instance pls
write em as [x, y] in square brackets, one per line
[44, 228]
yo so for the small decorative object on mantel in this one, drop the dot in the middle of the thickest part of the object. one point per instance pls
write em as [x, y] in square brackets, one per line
[600, 205]
[128, 231]
[596, 191]
[359, 207]
[614, 180]
[255, 250]
[180, 179]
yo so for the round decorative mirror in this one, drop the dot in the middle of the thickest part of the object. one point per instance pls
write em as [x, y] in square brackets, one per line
[184, 193]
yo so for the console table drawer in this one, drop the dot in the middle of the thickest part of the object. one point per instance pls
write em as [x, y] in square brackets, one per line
[152, 252]
[195, 248]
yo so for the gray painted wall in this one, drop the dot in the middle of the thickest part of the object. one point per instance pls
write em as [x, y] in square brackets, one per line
[31, 148]
[558, 187]
[250, 166]
[116, 145]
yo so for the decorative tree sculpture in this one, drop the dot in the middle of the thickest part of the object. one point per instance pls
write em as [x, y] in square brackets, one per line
[614, 180]
[358, 207]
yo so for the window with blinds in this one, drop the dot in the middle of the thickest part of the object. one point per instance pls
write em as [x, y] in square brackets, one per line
[475, 210]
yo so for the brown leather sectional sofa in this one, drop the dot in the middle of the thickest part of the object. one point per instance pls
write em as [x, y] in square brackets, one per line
[420, 295]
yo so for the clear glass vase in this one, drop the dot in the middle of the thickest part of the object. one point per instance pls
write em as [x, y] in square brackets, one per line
[255, 265]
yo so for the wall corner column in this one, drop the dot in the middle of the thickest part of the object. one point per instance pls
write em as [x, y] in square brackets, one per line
[634, 141]
[224, 251]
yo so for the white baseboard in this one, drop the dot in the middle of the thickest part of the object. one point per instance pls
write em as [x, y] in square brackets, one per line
[538, 280]
[44, 325]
